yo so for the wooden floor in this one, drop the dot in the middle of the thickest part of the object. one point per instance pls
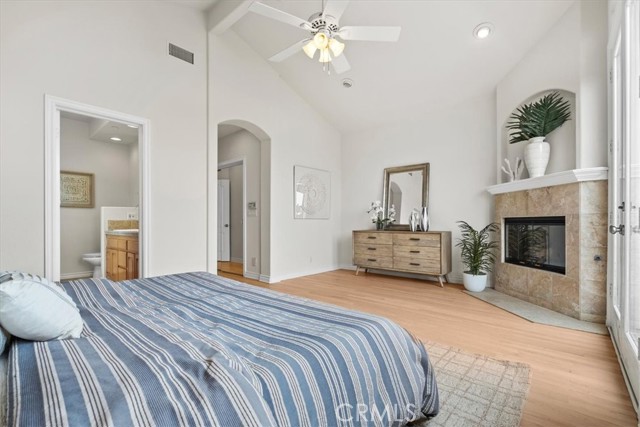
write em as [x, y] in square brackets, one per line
[576, 379]
[230, 267]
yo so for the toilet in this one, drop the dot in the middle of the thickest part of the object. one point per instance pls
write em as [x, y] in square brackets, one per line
[95, 259]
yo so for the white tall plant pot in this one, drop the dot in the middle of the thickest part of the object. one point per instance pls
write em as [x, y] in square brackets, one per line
[474, 283]
[536, 156]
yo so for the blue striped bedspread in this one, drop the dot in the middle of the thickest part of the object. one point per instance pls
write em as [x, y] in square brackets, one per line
[197, 349]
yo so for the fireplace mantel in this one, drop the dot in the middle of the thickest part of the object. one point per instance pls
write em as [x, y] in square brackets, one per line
[558, 178]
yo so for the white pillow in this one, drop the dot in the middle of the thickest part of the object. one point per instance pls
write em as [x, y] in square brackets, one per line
[4, 340]
[33, 308]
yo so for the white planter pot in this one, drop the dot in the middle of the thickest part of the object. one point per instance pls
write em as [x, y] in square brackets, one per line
[536, 156]
[474, 283]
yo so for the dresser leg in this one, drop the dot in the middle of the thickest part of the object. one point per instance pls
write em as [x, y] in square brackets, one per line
[357, 269]
[440, 279]
[446, 278]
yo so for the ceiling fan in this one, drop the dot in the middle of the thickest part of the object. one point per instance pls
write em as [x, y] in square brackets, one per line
[324, 30]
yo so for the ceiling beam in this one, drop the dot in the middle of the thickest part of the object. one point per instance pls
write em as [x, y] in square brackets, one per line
[225, 13]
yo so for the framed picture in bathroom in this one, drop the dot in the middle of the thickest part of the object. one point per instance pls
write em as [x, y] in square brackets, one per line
[76, 189]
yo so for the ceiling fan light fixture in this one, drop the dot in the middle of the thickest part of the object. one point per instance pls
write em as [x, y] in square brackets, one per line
[310, 49]
[325, 56]
[321, 40]
[336, 47]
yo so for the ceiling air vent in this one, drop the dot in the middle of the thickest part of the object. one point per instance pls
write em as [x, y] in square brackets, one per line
[180, 53]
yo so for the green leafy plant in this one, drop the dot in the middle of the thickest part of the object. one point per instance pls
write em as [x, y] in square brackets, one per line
[538, 118]
[477, 248]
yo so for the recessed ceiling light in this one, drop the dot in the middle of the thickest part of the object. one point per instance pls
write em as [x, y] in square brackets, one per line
[347, 83]
[483, 30]
[133, 126]
[115, 138]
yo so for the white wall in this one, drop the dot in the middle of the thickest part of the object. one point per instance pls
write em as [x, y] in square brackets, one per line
[112, 55]
[570, 57]
[459, 144]
[80, 227]
[244, 87]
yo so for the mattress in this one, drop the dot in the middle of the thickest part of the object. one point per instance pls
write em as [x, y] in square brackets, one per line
[196, 349]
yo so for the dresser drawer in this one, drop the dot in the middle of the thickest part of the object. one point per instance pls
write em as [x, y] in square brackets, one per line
[373, 250]
[419, 252]
[372, 261]
[418, 265]
[380, 238]
[417, 239]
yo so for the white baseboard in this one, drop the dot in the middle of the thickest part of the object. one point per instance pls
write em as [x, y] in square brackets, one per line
[303, 273]
[237, 260]
[251, 275]
[79, 275]
[265, 278]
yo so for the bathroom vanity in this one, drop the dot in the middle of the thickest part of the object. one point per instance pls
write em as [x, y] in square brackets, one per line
[122, 255]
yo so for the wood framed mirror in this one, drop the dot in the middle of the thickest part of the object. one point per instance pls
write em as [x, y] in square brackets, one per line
[407, 188]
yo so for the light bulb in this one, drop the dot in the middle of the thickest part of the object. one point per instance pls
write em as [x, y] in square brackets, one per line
[310, 49]
[321, 40]
[325, 56]
[483, 30]
[336, 47]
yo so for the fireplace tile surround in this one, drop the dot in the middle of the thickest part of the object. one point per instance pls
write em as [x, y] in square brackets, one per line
[581, 292]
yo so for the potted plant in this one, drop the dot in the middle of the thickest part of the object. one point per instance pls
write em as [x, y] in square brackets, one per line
[477, 254]
[377, 215]
[533, 122]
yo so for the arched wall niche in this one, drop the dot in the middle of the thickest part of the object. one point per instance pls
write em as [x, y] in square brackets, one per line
[563, 140]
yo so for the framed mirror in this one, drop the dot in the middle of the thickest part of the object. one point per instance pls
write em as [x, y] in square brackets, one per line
[407, 188]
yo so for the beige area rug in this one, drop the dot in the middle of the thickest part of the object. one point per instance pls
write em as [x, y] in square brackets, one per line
[477, 390]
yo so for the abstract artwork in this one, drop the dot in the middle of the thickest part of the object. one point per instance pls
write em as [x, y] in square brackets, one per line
[76, 190]
[312, 193]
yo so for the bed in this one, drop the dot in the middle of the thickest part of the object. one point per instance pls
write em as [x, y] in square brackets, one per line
[197, 349]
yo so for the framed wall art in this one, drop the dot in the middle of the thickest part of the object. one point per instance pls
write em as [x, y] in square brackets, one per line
[76, 190]
[312, 193]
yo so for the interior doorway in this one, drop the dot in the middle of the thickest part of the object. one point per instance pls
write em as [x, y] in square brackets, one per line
[243, 160]
[54, 109]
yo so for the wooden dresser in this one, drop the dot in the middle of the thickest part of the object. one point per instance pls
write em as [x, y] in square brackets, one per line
[406, 251]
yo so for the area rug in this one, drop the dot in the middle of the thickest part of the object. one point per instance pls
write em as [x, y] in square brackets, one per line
[476, 390]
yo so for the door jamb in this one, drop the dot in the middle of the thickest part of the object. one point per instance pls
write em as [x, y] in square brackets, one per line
[226, 165]
[53, 106]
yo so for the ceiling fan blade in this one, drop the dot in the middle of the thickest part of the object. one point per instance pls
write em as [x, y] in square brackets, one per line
[290, 51]
[340, 64]
[373, 34]
[279, 15]
[335, 8]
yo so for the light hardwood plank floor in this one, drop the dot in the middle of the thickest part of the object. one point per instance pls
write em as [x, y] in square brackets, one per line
[576, 379]
[230, 267]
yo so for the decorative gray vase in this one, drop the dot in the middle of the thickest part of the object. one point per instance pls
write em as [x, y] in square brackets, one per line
[413, 221]
[424, 219]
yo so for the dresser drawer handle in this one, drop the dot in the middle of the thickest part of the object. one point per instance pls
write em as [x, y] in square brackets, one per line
[414, 252]
[373, 249]
[371, 259]
[414, 263]
[414, 238]
[371, 237]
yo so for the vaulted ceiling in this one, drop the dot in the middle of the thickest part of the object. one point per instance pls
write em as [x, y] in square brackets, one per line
[437, 62]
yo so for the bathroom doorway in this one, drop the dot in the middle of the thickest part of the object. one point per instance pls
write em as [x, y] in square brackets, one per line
[97, 189]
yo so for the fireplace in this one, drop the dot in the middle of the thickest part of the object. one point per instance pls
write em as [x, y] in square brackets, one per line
[536, 242]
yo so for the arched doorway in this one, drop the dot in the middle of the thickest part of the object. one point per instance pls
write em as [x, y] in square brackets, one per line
[239, 224]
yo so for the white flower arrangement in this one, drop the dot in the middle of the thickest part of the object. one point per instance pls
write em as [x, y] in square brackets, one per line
[377, 213]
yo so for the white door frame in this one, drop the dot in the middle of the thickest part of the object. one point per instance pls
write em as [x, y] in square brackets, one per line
[53, 106]
[224, 219]
[226, 165]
